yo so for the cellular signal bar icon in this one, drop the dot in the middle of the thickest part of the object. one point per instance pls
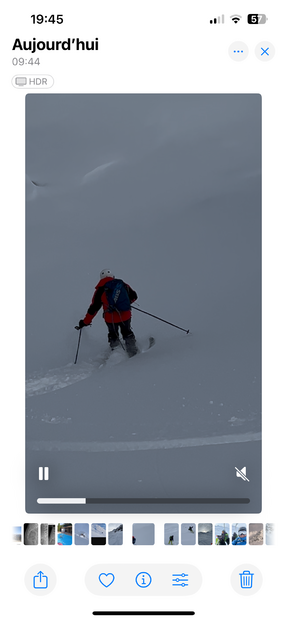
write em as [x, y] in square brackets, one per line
[217, 20]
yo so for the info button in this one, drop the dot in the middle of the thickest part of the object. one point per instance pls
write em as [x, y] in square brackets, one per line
[31, 81]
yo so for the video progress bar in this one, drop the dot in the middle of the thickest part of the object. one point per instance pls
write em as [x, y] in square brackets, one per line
[143, 501]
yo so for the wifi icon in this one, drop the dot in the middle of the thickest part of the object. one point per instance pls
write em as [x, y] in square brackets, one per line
[235, 18]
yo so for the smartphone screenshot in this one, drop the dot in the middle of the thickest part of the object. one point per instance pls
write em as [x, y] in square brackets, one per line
[143, 261]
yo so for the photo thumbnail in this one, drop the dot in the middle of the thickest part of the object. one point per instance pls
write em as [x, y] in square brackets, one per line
[98, 535]
[270, 534]
[48, 534]
[222, 535]
[205, 536]
[143, 534]
[171, 534]
[64, 534]
[115, 534]
[81, 534]
[239, 534]
[255, 534]
[188, 534]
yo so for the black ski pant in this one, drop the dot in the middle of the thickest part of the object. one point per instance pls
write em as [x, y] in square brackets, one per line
[127, 333]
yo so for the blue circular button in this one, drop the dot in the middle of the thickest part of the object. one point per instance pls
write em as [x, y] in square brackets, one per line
[143, 579]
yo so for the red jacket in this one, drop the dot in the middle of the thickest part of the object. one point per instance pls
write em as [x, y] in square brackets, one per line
[100, 299]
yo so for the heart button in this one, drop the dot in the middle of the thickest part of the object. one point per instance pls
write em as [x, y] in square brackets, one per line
[106, 579]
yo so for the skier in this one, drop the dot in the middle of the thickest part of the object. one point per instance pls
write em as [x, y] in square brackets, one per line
[133, 540]
[116, 297]
[190, 528]
[171, 539]
[241, 539]
[223, 539]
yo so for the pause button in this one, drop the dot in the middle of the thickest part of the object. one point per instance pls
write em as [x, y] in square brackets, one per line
[43, 473]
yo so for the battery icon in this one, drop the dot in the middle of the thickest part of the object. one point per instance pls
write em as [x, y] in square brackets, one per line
[256, 18]
[20, 81]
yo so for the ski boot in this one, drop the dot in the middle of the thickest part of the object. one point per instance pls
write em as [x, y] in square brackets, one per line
[114, 343]
[131, 345]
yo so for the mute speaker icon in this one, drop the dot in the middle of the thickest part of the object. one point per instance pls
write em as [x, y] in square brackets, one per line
[241, 473]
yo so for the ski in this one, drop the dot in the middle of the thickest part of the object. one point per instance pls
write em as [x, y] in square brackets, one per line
[151, 343]
[119, 354]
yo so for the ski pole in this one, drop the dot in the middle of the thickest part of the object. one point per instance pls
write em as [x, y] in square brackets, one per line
[160, 319]
[79, 339]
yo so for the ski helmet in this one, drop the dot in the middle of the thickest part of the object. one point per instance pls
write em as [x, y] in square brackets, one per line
[106, 274]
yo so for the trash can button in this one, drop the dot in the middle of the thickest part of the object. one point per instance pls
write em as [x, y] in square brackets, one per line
[246, 579]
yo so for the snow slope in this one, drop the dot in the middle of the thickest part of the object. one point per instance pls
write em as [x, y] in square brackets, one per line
[270, 534]
[171, 530]
[115, 536]
[144, 534]
[188, 538]
[98, 530]
[205, 535]
[81, 534]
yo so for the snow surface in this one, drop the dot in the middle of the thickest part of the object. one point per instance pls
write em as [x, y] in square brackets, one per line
[188, 538]
[164, 191]
[205, 534]
[255, 534]
[270, 534]
[171, 530]
[144, 534]
[98, 530]
[81, 534]
[115, 536]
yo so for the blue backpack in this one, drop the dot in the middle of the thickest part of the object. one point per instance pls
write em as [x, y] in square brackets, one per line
[117, 295]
